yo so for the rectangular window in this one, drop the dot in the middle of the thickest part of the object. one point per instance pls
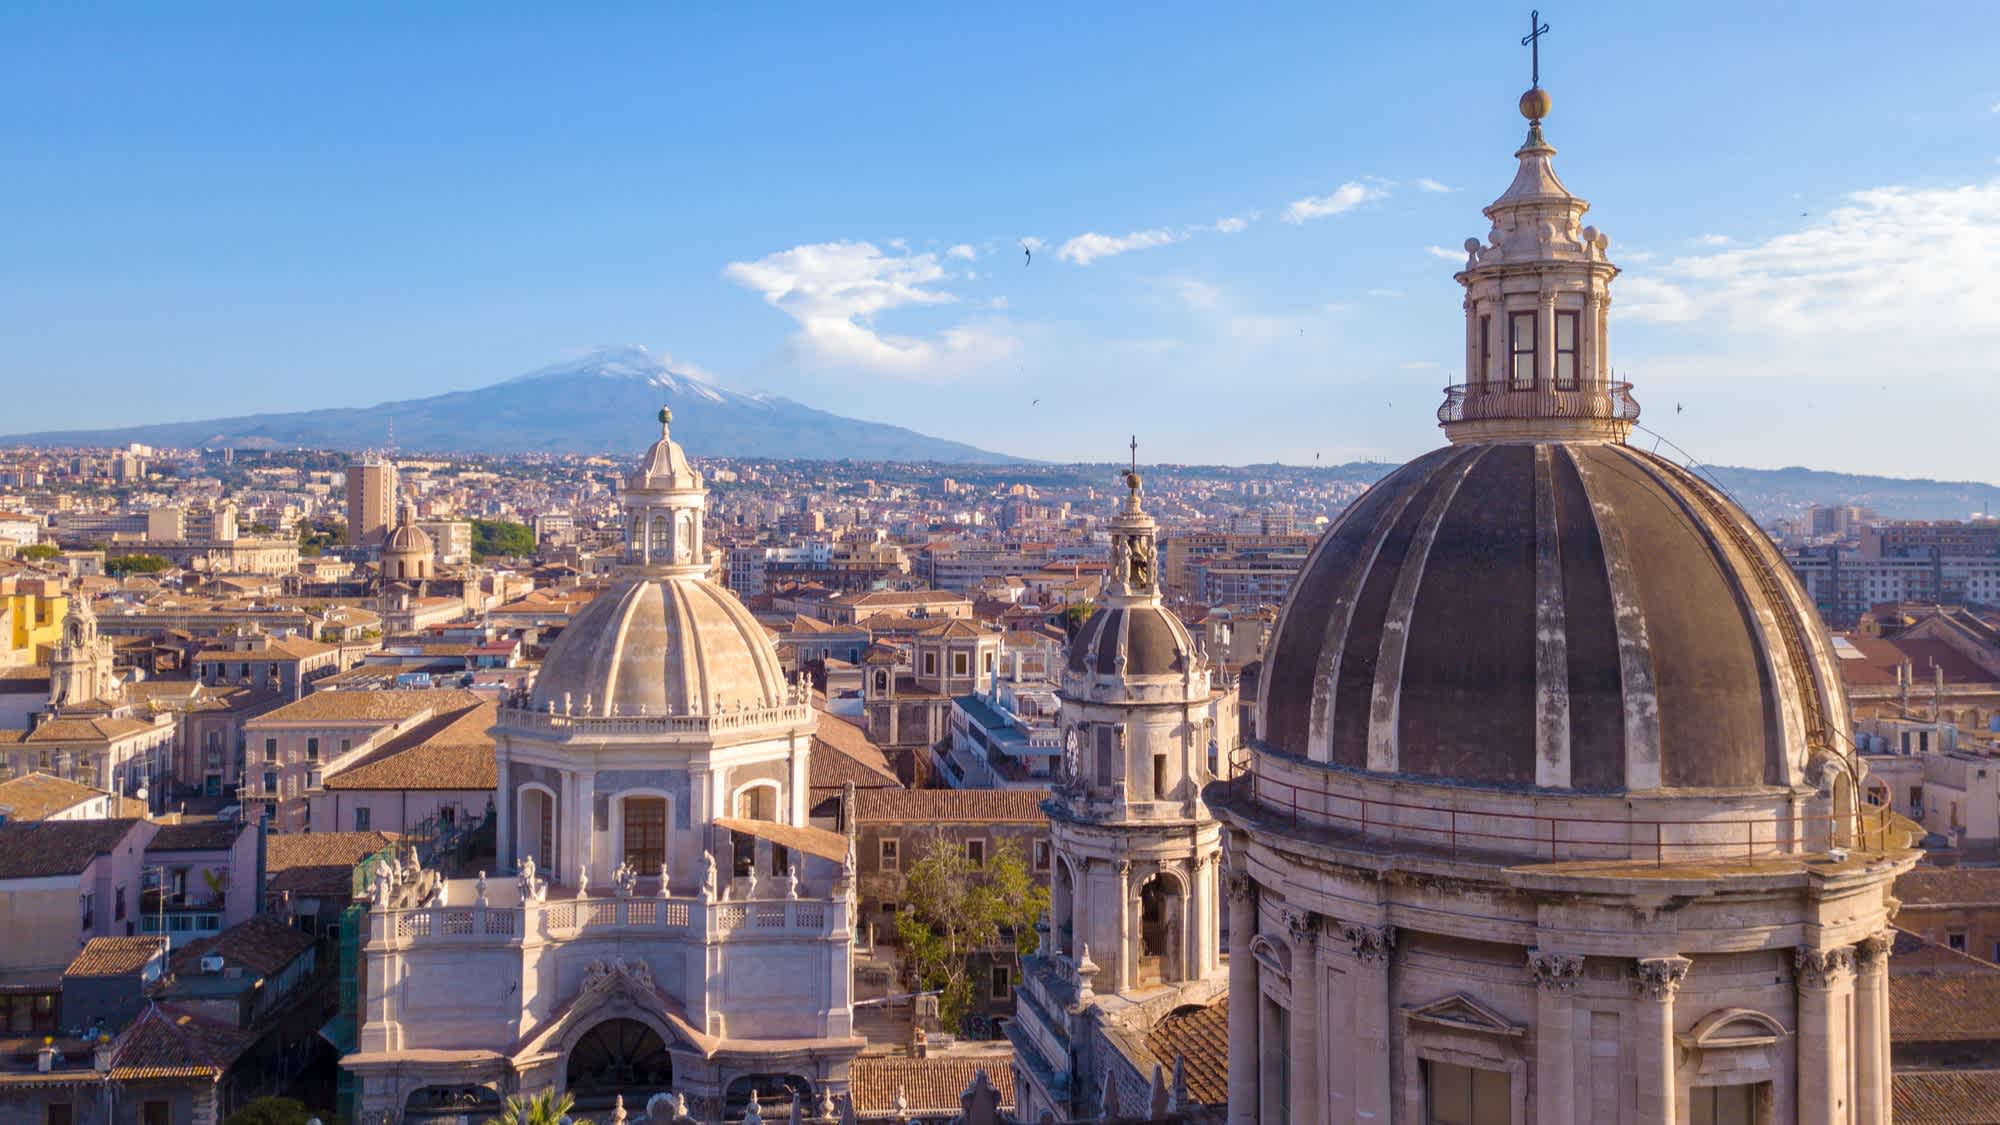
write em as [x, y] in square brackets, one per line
[1107, 746]
[60, 1113]
[891, 856]
[1159, 777]
[157, 1112]
[975, 852]
[1003, 983]
[1463, 1095]
[646, 832]
[89, 914]
[960, 664]
[312, 749]
[346, 744]
[1485, 373]
[361, 819]
[1521, 349]
[1042, 853]
[1727, 1105]
[118, 910]
[270, 783]
[270, 749]
[1954, 940]
[930, 664]
[1566, 351]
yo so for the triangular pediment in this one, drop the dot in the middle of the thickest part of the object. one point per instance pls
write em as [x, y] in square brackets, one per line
[1460, 1012]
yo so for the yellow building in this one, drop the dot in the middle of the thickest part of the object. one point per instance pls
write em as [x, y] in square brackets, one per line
[31, 614]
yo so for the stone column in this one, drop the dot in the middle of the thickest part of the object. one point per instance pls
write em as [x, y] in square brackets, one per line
[1825, 980]
[1122, 971]
[503, 812]
[1871, 1028]
[1244, 1000]
[1373, 948]
[1590, 374]
[1307, 1101]
[1545, 342]
[1554, 1101]
[1655, 1054]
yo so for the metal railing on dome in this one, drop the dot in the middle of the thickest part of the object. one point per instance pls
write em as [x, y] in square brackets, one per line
[1513, 835]
[1465, 402]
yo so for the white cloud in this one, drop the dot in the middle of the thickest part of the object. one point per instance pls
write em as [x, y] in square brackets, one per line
[1447, 255]
[1383, 292]
[1033, 243]
[1714, 240]
[998, 303]
[1915, 260]
[1088, 247]
[962, 252]
[1425, 183]
[1344, 198]
[1234, 224]
[1634, 257]
[835, 291]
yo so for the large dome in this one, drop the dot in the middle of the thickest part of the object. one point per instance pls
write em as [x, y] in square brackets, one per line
[660, 646]
[1490, 606]
[1152, 641]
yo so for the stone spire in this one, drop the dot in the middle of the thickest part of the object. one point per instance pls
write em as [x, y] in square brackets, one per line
[664, 499]
[1537, 297]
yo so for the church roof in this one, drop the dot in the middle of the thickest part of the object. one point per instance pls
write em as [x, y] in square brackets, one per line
[931, 1086]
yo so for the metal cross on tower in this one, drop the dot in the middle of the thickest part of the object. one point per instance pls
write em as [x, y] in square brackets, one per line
[1533, 41]
[1135, 453]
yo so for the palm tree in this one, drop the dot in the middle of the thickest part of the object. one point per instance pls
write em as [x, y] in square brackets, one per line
[545, 1108]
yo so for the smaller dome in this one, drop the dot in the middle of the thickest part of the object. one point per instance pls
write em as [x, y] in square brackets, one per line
[408, 538]
[665, 467]
[1154, 643]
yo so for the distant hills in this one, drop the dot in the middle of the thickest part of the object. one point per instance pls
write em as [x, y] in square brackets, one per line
[602, 403]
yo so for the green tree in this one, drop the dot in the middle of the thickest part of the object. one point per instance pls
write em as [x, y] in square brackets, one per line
[40, 552]
[277, 1111]
[501, 537]
[545, 1108]
[135, 564]
[954, 909]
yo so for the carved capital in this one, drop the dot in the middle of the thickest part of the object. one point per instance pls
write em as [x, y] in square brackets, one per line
[1371, 945]
[1555, 972]
[1303, 928]
[1240, 886]
[1658, 978]
[1124, 869]
[1822, 968]
[1873, 951]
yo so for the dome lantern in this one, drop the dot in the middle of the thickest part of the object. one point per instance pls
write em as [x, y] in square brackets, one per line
[664, 498]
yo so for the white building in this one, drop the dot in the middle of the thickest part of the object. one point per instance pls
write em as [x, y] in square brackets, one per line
[677, 922]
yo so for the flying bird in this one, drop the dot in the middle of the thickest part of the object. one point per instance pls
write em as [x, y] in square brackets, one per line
[1030, 252]
[1677, 408]
[1037, 402]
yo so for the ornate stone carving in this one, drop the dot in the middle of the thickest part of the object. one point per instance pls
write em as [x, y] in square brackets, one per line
[1240, 886]
[1372, 945]
[1554, 972]
[636, 970]
[1303, 926]
[1822, 968]
[1873, 950]
[1658, 978]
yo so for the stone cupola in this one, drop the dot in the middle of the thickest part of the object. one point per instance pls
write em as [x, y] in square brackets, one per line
[1537, 295]
[664, 498]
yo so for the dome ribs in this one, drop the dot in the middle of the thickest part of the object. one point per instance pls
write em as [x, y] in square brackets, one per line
[1552, 671]
[1596, 682]
[1470, 668]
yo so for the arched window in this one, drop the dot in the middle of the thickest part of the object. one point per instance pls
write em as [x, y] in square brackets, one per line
[757, 801]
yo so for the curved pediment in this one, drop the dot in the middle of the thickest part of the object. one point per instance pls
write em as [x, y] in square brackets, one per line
[617, 988]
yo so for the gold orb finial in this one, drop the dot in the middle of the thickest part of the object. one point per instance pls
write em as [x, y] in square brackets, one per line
[1536, 103]
[1132, 481]
[666, 414]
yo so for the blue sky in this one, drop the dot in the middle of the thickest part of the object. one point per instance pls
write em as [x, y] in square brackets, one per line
[222, 209]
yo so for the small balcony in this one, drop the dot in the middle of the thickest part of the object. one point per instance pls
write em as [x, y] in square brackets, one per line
[1589, 405]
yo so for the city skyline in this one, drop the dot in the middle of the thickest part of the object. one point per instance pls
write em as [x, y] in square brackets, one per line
[234, 217]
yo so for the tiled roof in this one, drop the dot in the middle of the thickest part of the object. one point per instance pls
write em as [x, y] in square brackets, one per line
[275, 648]
[197, 836]
[1877, 660]
[449, 751]
[1201, 1037]
[114, 956]
[842, 752]
[362, 706]
[1939, 886]
[1944, 1007]
[974, 806]
[262, 943]
[86, 730]
[40, 795]
[931, 1085]
[169, 1042]
[319, 863]
[57, 847]
[1947, 1097]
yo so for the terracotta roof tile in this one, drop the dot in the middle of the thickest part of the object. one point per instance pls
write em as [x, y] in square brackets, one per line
[114, 956]
[1947, 1097]
[1012, 806]
[169, 1042]
[1939, 886]
[1941, 1007]
[262, 943]
[1200, 1036]
[38, 796]
[450, 751]
[319, 863]
[931, 1085]
[197, 836]
[843, 752]
[57, 847]
[361, 706]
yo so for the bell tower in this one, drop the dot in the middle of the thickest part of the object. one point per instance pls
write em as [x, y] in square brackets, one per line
[80, 665]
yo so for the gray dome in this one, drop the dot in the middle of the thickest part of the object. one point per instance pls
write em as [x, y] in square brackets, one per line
[407, 539]
[1488, 607]
[1154, 642]
[660, 646]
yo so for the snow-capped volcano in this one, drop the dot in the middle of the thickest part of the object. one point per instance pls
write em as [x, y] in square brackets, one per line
[600, 402]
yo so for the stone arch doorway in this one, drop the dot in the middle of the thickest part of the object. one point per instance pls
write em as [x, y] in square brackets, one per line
[618, 1056]
[1162, 903]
